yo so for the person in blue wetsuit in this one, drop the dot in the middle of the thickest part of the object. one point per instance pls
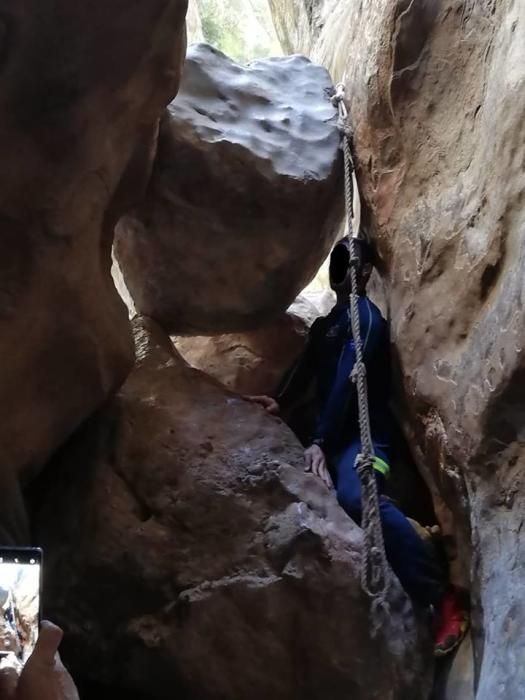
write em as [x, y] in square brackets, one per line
[328, 360]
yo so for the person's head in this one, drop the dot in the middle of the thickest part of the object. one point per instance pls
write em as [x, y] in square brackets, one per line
[340, 265]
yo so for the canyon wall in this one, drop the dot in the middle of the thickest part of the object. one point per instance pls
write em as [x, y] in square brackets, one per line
[436, 93]
[83, 89]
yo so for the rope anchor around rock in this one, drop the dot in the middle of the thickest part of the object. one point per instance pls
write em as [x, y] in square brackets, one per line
[375, 572]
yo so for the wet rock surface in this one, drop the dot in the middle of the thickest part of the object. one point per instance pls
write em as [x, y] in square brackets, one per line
[82, 91]
[245, 198]
[190, 556]
[437, 100]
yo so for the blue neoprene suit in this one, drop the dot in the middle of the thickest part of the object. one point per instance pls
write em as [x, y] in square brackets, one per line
[328, 360]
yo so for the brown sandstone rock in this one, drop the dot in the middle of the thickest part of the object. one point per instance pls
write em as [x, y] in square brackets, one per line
[83, 85]
[437, 98]
[245, 197]
[190, 556]
[253, 362]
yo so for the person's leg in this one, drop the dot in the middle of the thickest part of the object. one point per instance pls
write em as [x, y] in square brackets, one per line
[406, 552]
[409, 557]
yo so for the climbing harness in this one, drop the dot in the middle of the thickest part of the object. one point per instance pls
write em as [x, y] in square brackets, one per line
[375, 572]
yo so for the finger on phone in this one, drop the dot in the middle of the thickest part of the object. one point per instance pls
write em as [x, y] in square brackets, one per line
[47, 645]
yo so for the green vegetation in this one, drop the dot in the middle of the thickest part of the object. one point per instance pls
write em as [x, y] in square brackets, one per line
[242, 29]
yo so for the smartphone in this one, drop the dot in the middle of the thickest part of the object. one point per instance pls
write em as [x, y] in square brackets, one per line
[20, 596]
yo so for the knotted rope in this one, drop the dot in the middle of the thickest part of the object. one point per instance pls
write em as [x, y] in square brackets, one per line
[375, 572]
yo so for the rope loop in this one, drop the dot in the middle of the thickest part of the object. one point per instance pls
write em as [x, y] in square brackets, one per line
[339, 95]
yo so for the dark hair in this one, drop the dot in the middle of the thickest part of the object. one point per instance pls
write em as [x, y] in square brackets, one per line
[340, 258]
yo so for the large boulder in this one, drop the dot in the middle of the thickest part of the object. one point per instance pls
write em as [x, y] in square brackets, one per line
[245, 198]
[437, 100]
[190, 556]
[83, 87]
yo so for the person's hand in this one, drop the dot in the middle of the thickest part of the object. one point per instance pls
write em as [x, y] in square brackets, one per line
[270, 405]
[44, 676]
[316, 463]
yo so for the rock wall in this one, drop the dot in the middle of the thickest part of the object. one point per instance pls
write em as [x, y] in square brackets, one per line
[190, 556]
[82, 91]
[437, 100]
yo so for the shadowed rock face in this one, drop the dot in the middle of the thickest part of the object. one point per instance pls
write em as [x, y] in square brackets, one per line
[245, 196]
[192, 557]
[437, 98]
[253, 362]
[83, 86]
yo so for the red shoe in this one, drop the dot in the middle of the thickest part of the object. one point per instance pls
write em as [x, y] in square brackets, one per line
[452, 623]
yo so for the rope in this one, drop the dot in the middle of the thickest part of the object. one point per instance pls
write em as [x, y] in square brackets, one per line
[375, 572]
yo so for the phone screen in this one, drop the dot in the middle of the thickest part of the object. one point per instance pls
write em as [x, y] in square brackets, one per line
[20, 582]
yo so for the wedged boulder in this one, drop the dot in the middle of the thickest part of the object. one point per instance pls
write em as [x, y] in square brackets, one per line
[437, 99]
[190, 556]
[253, 362]
[245, 198]
[83, 86]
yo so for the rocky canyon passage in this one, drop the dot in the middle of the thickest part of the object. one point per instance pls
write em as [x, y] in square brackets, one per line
[188, 555]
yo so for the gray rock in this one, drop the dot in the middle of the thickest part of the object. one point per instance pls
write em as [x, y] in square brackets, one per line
[245, 197]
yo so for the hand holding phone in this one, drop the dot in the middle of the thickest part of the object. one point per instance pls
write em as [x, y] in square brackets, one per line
[20, 587]
[44, 676]
[30, 666]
